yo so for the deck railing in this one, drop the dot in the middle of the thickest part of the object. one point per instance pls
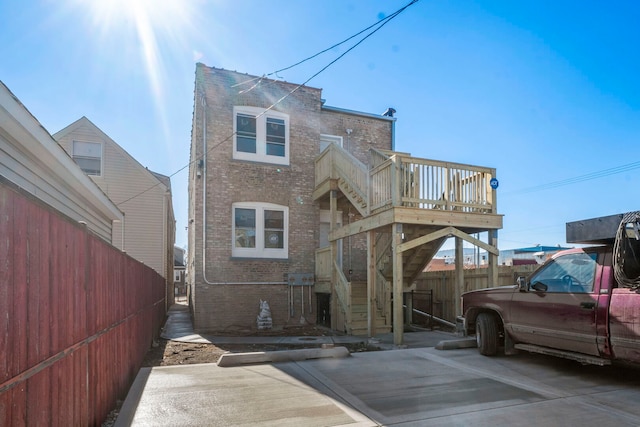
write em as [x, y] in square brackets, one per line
[323, 264]
[402, 180]
[398, 179]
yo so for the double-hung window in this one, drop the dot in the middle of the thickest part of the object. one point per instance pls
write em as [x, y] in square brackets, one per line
[261, 137]
[260, 230]
[88, 155]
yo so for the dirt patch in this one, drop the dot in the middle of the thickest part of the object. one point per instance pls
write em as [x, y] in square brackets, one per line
[168, 353]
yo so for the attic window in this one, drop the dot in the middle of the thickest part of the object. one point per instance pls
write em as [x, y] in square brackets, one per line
[88, 155]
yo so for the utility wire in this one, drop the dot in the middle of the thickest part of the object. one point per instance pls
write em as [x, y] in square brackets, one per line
[387, 18]
[380, 24]
[580, 178]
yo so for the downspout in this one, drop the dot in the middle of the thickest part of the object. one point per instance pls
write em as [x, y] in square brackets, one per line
[393, 135]
[204, 191]
[204, 209]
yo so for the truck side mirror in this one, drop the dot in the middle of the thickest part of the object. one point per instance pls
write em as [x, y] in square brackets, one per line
[522, 284]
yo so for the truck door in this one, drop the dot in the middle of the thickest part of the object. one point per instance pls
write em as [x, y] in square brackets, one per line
[559, 309]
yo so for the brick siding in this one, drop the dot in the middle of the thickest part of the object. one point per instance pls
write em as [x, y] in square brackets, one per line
[219, 306]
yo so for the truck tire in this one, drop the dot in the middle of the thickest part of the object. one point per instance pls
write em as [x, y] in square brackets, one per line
[487, 334]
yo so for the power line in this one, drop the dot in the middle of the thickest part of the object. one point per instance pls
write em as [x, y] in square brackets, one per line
[379, 25]
[580, 178]
[380, 22]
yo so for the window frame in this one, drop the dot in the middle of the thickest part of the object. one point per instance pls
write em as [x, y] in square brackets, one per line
[261, 135]
[260, 250]
[552, 274]
[101, 158]
[326, 140]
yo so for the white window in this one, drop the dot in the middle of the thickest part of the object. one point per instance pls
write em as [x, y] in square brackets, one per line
[260, 230]
[325, 140]
[261, 137]
[88, 155]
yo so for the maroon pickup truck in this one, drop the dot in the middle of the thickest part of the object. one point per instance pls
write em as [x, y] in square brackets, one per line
[570, 307]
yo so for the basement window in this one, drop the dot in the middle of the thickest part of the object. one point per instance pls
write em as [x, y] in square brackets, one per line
[260, 230]
[260, 136]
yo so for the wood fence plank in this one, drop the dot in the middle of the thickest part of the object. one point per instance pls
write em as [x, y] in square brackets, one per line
[6, 277]
[39, 399]
[18, 315]
[76, 321]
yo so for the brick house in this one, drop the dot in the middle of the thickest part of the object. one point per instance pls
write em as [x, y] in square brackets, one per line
[288, 200]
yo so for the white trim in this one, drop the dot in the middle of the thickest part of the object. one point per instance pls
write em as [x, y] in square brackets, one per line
[260, 251]
[325, 140]
[261, 138]
[30, 139]
[73, 154]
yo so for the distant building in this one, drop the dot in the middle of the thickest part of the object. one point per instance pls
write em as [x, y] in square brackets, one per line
[446, 260]
[179, 267]
[532, 255]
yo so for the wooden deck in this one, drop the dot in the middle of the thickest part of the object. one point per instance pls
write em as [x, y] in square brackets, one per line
[417, 204]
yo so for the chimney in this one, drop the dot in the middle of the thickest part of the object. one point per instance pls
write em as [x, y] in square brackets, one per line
[389, 112]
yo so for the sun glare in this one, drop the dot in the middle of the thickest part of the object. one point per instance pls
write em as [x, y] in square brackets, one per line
[150, 33]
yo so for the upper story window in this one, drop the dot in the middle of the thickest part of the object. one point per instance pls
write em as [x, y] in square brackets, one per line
[88, 155]
[325, 140]
[261, 137]
[260, 230]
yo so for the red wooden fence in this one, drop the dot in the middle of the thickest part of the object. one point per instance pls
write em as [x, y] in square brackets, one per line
[76, 317]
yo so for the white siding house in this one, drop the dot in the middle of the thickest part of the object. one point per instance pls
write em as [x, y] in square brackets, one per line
[32, 161]
[148, 233]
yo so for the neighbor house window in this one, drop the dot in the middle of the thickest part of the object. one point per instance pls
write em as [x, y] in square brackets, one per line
[261, 137]
[88, 155]
[260, 230]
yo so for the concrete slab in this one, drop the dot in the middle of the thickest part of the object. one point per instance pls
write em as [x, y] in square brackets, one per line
[456, 344]
[416, 386]
[412, 387]
[261, 395]
[237, 359]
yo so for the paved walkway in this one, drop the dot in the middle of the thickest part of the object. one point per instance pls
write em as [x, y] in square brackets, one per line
[408, 387]
[180, 328]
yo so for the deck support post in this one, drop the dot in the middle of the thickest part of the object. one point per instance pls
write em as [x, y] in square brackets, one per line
[459, 276]
[371, 283]
[333, 203]
[493, 259]
[398, 317]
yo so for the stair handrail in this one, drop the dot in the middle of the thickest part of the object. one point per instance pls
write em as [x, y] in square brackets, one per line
[343, 293]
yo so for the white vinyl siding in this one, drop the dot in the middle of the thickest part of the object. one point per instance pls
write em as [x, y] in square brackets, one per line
[145, 219]
[88, 155]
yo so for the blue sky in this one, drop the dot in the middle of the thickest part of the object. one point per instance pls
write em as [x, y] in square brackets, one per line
[543, 91]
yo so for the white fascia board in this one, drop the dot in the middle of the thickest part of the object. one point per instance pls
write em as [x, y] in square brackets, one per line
[38, 144]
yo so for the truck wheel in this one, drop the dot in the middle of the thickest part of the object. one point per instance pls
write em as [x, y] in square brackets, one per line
[487, 334]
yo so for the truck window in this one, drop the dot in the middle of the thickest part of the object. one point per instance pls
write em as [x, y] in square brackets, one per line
[571, 273]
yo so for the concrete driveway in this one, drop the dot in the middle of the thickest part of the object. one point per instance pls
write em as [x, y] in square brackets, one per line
[408, 387]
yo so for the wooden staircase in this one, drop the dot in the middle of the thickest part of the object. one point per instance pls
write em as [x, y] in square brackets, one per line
[359, 315]
[407, 205]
